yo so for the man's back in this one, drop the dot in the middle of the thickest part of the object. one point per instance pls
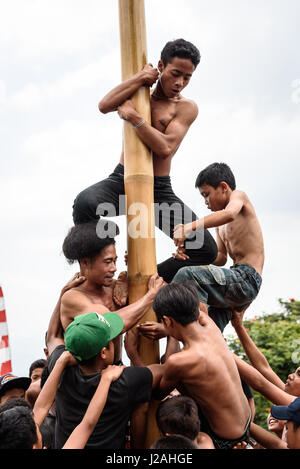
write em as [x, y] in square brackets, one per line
[209, 375]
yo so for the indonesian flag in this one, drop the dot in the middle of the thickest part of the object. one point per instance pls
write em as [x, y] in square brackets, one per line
[5, 360]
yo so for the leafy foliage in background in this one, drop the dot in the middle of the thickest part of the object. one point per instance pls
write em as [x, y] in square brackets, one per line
[277, 336]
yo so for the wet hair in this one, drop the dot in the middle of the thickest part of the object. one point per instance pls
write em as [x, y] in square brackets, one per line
[17, 428]
[88, 239]
[214, 174]
[181, 49]
[178, 415]
[179, 301]
[174, 442]
[37, 364]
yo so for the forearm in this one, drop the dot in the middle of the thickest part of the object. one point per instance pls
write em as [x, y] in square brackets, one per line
[214, 220]
[138, 426]
[265, 438]
[256, 357]
[47, 395]
[161, 144]
[131, 314]
[172, 347]
[121, 93]
[81, 434]
[259, 383]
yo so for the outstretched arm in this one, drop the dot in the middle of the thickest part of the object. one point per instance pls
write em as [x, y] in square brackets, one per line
[265, 438]
[147, 77]
[258, 382]
[81, 434]
[47, 395]
[256, 357]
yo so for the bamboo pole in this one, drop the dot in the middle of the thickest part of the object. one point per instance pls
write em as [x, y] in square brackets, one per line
[139, 181]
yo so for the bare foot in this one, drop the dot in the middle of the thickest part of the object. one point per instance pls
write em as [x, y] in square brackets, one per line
[120, 292]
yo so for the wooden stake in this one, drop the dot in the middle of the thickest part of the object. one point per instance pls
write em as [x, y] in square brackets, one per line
[139, 181]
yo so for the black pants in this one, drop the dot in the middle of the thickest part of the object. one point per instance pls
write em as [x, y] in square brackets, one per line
[173, 212]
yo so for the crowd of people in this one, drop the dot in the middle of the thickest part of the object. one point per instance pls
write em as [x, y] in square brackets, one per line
[81, 396]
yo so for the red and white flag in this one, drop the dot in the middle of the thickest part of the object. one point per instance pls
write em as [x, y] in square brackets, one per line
[5, 359]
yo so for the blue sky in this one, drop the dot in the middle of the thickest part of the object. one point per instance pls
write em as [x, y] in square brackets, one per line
[60, 57]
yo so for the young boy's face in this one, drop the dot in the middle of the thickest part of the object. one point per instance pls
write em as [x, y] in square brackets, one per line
[292, 385]
[175, 76]
[215, 199]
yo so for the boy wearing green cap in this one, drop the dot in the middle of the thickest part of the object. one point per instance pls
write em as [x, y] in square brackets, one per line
[90, 339]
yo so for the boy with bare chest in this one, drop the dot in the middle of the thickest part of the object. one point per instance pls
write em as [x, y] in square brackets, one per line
[238, 234]
[171, 117]
[205, 368]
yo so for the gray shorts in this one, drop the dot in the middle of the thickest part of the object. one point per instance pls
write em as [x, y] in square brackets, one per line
[223, 289]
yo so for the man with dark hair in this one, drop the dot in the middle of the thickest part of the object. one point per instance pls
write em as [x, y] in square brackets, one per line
[238, 234]
[172, 116]
[93, 291]
[179, 415]
[36, 369]
[18, 429]
[205, 368]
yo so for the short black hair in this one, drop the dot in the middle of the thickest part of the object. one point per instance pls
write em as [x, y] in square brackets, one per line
[14, 402]
[214, 174]
[179, 301]
[178, 415]
[41, 363]
[17, 428]
[88, 239]
[182, 49]
[174, 442]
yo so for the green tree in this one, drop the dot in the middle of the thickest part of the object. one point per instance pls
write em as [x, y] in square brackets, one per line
[277, 335]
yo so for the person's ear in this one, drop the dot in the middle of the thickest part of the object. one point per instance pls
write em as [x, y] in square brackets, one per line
[224, 186]
[160, 66]
[167, 321]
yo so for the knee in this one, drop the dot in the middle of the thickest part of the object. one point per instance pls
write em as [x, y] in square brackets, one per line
[183, 275]
[82, 207]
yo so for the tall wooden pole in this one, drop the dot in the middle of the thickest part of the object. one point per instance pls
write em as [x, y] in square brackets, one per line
[138, 177]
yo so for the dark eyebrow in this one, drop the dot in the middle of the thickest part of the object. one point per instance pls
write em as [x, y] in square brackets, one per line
[110, 258]
[179, 71]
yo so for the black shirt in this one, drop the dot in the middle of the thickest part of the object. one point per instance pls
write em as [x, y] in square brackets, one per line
[75, 392]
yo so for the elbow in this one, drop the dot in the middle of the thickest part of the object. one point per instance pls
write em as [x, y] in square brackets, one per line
[165, 152]
[229, 216]
[103, 107]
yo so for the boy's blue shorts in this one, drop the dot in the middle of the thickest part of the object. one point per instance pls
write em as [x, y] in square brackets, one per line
[223, 289]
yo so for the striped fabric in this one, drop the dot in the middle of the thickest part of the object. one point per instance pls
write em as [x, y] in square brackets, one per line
[5, 359]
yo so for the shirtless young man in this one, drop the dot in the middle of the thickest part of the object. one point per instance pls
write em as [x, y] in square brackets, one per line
[97, 259]
[205, 368]
[171, 117]
[238, 234]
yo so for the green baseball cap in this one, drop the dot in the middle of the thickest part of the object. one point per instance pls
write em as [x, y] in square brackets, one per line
[90, 332]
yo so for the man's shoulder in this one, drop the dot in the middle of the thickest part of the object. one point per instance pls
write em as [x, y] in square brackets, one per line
[73, 295]
[186, 105]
